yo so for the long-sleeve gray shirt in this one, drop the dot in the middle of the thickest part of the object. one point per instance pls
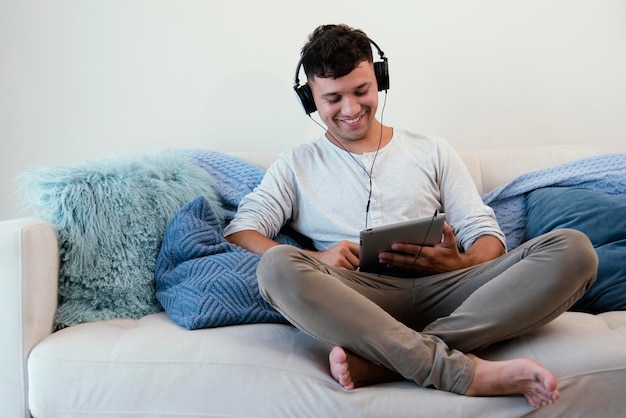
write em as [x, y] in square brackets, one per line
[322, 191]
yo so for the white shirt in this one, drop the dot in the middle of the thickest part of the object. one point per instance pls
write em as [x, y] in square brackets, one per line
[321, 191]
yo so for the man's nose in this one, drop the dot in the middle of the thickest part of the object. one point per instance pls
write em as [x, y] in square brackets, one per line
[350, 106]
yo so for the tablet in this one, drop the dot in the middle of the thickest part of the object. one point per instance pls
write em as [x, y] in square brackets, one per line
[422, 231]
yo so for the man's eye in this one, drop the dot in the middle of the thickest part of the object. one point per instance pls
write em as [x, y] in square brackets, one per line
[360, 92]
[333, 100]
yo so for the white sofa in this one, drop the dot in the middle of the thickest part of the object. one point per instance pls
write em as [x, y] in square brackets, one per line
[151, 367]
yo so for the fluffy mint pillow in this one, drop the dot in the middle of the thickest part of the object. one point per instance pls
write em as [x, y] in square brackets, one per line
[111, 215]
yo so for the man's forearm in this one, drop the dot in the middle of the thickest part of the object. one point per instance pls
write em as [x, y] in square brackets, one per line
[252, 241]
[484, 248]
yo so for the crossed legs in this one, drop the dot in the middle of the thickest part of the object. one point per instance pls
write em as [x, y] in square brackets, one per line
[360, 314]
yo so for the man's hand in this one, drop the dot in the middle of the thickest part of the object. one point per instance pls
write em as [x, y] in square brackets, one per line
[442, 257]
[345, 254]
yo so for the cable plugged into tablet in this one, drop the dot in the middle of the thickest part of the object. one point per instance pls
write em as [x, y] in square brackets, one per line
[425, 236]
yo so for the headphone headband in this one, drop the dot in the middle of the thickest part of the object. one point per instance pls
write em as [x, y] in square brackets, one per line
[304, 93]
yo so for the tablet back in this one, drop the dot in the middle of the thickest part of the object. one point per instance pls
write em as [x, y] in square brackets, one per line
[422, 231]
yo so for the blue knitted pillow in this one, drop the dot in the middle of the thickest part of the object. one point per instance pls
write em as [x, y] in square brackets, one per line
[233, 177]
[204, 281]
[111, 215]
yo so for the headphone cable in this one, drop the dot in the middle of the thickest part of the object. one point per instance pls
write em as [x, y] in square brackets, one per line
[360, 164]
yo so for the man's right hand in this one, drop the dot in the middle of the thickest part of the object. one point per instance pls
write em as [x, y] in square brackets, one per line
[344, 255]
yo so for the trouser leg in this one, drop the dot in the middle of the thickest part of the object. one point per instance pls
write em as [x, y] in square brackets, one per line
[343, 307]
[518, 292]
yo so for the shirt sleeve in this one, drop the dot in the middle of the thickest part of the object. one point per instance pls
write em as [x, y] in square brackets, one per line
[269, 206]
[465, 211]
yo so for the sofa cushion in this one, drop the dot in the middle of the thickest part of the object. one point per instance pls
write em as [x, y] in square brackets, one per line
[111, 215]
[153, 368]
[605, 173]
[202, 280]
[233, 177]
[600, 216]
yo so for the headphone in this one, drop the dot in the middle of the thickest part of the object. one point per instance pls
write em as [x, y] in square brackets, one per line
[304, 93]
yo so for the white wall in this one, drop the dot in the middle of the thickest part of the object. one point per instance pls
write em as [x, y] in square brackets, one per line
[83, 79]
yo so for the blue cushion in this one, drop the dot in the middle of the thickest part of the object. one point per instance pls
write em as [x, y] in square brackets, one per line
[601, 217]
[202, 280]
[233, 177]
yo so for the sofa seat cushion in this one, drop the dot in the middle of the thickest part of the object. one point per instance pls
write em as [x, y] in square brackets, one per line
[152, 367]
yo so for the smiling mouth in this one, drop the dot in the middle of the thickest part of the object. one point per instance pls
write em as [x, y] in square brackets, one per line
[352, 121]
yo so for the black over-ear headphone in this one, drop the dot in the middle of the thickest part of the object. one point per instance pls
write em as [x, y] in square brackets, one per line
[304, 93]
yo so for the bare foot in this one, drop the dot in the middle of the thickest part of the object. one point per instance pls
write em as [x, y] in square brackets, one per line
[352, 371]
[518, 376]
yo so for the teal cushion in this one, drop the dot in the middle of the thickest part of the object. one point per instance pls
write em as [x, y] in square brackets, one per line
[111, 215]
[601, 217]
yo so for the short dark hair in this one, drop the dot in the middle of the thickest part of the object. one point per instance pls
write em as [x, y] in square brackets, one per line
[333, 51]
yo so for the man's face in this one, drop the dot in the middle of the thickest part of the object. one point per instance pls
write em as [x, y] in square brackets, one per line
[347, 105]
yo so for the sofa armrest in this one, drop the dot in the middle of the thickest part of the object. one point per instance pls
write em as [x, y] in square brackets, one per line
[29, 271]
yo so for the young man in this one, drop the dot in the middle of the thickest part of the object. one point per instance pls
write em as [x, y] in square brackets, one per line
[456, 297]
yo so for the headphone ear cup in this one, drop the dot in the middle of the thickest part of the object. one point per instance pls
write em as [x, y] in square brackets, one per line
[306, 98]
[381, 70]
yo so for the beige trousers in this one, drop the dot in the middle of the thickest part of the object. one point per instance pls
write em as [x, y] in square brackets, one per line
[421, 327]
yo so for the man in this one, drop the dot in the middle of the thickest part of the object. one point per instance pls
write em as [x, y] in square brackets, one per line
[456, 297]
